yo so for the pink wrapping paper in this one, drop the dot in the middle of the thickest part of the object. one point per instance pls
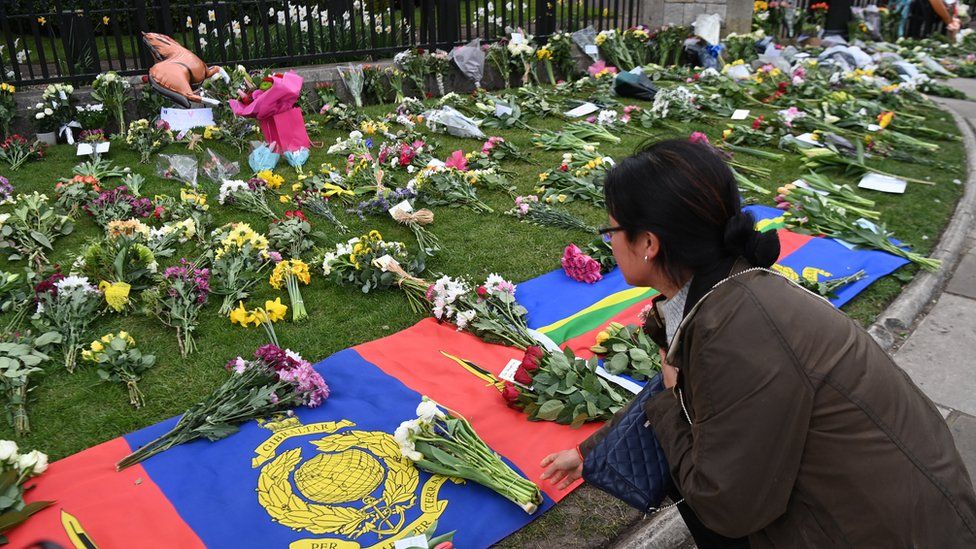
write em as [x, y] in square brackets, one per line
[281, 122]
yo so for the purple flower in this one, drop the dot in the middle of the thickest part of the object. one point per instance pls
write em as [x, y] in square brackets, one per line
[6, 189]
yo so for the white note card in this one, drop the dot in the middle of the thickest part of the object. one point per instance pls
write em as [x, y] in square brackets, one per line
[517, 38]
[508, 372]
[413, 542]
[582, 110]
[185, 119]
[384, 261]
[403, 207]
[591, 49]
[501, 109]
[874, 128]
[85, 149]
[740, 114]
[886, 184]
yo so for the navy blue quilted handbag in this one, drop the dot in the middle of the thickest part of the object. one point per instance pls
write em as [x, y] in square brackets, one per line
[629, 463]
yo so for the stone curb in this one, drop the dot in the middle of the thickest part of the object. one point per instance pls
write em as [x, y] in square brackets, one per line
[666, 529]
[899, 317]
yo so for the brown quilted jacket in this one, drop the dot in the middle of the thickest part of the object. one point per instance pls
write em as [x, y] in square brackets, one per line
[804, 432]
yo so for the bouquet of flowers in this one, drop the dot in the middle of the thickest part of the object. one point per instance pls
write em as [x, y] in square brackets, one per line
[563, 388]
[521, 55]
[147, 138]
[291, 236]
[446, 444]
[239, 256]
[614, 48]
[815, 214]
[440, 185]
[828, 288]
[178, 300]
[273, 311]
[113, 91]
[311, 195]
[414, 64]
[71, 195]
[288, 273]
[830, 158]
[118, 360]
[838, 196]
[545, 55]
[497, 54]
[15, 471]
[627, 350]
[22, 355]
[498, 149]
[122, 262]
[489, 311]
[637, 40]
[370, 263]
[670, 41]
[579, 177]
[394, 77]
[118, 203]
[439, 63]
[559, 141]
[677, 103]
[247, 195]
[581, 267]
[67, 304]
[529, 209]
[8, 107]
[352, 77]
[16, 150]
[561, 46]
[92, 117]
[31, 227]
[274, 381]
[190, 206]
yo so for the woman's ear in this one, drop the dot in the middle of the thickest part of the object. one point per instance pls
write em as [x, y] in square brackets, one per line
[651, 246]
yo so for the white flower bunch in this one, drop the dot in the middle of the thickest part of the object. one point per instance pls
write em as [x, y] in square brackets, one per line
[71, 284]
[444, 293]
[498, 286]
[678, 100]
[57, 91]
[231, 186]
[607, 117]
[354, 144]
[32, 463]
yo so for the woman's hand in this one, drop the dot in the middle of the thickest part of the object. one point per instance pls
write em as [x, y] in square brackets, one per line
[669, 372]
[563, 468]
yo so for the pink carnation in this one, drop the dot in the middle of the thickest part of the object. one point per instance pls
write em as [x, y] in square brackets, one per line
[600, 66]
[699, 138]
[579, 266]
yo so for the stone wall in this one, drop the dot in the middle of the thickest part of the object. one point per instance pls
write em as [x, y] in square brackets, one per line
[736, 14]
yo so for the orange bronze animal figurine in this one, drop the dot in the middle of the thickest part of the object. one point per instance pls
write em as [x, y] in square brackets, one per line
[178, 71]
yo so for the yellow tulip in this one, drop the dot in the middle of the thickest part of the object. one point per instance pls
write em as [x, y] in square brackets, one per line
[601, 337]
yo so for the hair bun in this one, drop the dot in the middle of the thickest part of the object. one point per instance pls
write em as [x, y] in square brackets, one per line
[742, 239]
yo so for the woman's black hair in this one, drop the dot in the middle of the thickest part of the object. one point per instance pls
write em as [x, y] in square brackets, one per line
[686, 195]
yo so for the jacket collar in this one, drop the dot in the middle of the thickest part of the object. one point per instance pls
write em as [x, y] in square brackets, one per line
[703, 282]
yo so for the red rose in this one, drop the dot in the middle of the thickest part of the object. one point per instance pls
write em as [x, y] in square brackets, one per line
[482, 291]
[523, 376]
[535, 351]
[529, 363]
[158, 212]
[511, 393]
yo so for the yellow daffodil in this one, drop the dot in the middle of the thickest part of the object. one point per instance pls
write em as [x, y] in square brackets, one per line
[275, 309]
[726, 133]
[116, 294]
[242, 316]
[97, 347]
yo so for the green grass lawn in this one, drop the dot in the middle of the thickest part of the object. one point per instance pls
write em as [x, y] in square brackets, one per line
[70, 412]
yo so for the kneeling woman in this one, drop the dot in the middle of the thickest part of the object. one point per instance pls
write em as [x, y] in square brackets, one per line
[786, 424]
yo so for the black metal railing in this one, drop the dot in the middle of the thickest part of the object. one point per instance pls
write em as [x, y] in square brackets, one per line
[44, 41]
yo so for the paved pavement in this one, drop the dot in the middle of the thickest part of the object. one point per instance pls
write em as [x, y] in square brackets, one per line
[940, 355]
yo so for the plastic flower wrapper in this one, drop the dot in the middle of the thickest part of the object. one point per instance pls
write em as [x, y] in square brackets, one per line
[23, 355]
[448, 119]
[262, 157]
[470, 60]
[67, 304]
[217, 168]
[297, 158]
[529, 209]
[118, 359]
[275, 380]
[289, 273]
[446, 444]
[180, 167]
[352, 77]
